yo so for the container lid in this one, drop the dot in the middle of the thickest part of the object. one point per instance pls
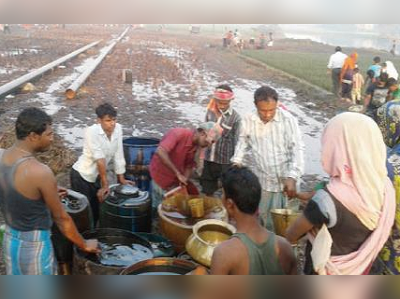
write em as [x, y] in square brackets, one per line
[127, 190]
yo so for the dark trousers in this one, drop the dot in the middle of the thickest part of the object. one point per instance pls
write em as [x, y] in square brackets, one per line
[336, 82]
[211, 175]
[79, 184]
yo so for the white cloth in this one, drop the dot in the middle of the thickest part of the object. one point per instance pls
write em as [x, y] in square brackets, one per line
[276, 146]
[336, 60]
[391, 70]
[97, 146]
[321, 250]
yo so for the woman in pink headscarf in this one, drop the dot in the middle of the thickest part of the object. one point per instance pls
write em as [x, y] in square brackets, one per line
[349, 221]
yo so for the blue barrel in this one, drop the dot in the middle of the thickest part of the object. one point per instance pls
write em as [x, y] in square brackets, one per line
[138, 153]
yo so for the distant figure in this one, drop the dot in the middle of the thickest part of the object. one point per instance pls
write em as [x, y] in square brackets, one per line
[346, 75]
[358, 83]
[228, 39]
[271, 40]
[262, 41]
[394, 91]
[389, 68]
[7, 29]
[393, 50]
[335, 65]
[376, 67]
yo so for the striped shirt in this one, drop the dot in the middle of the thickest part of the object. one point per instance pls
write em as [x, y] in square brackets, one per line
[276, 147]
[222, 151]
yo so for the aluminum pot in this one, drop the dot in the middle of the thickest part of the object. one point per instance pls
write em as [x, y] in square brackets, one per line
[207, 235]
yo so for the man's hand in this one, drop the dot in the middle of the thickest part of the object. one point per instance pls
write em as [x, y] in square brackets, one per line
[124, 181]
[103, 193]
[182, 178]
[92, 246]
[62, 192]
[237, 165]
[289, 187]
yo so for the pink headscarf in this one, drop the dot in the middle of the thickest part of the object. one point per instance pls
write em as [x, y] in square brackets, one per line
[354, 155]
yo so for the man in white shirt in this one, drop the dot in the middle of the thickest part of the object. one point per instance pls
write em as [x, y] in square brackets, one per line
[102, 144]
[335, 65]
[274, 139]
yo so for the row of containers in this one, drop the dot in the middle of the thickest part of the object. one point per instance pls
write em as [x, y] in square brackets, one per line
[125, 226]
[125, 223]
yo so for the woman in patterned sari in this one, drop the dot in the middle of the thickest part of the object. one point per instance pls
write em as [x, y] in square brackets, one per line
[388, 119]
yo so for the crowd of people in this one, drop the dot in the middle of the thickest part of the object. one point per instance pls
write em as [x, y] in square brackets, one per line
[379, 86]
[257, 159]
[233, 39]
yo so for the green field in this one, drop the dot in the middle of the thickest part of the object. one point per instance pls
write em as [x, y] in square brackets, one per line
[312, 67]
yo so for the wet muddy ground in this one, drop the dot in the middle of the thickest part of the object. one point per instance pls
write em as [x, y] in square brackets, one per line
[173, 78]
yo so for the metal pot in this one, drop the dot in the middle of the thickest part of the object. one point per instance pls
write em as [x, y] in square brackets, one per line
[178, 230]
[88, 263]
[160, 266]
[207, 235]
[282, 219]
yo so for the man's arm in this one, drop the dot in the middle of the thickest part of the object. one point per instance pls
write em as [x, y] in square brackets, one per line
[242, 144]
[287, 258]
[93, 144]
[164, 156]
[102, 168]
[47, 185]
[221, 261]
[295, 167]
[119, 159]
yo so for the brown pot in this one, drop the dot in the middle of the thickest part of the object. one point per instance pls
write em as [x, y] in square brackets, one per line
[179, 230]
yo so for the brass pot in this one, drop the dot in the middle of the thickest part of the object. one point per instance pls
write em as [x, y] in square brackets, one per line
[282, 219]
[179, 230]
[207, 235]
[157, 266]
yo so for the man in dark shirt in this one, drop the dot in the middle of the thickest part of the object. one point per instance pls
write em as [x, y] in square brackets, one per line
[376, 95]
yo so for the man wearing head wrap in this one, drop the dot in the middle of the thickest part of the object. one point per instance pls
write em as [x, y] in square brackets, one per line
[173, 162]
[218, 155]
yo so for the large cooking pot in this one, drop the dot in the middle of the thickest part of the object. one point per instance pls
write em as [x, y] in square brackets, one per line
[160, 266]
[90, 264]
[178, 228]
[207, 235]
[282, 219]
